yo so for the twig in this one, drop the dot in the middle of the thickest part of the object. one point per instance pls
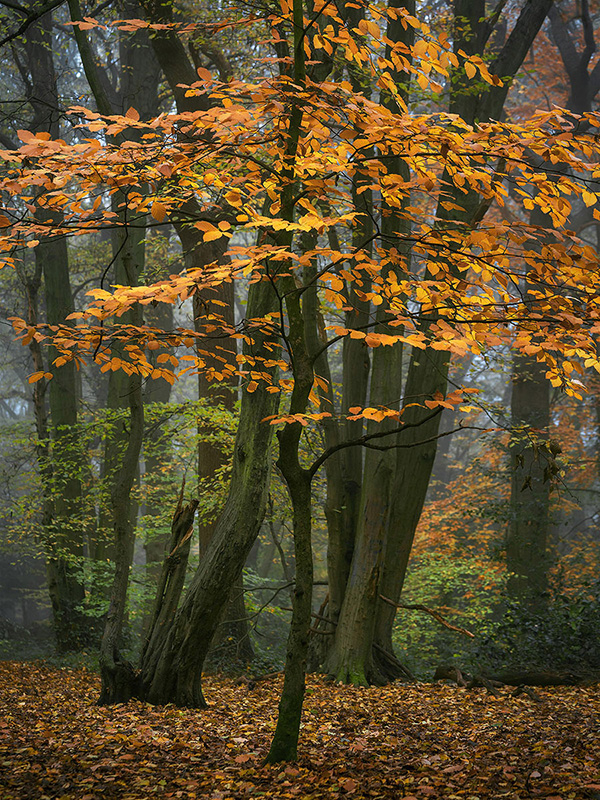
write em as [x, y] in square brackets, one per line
[435, 614]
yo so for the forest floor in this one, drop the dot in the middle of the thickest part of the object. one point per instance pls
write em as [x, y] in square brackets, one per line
[404, 741]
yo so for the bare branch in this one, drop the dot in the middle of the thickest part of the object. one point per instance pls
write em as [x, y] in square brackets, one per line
[435, 614]
[31, 17]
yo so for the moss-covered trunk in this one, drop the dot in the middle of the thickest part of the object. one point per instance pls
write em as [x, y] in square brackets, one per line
[172, 673]
[63, 522]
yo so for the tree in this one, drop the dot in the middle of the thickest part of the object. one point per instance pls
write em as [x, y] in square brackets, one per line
[533, 455]
[284, 154]
[59, 456]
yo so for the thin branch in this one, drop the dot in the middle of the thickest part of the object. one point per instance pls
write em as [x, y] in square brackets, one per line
[362, 441]
[15, 6]
[31, 17]
[491, 21]
[435, 614]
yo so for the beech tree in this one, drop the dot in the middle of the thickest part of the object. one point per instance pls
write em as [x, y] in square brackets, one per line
[285, 158]
[48, 281]
[427, 370]
[533, 451]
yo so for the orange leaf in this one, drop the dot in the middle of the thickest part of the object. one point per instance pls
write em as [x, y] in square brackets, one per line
[470, 69]
[158, 211]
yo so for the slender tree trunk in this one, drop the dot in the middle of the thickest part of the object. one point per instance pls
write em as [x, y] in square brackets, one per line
[298, 479]
[527, 541]
[63, 503]
[116, 673]
[285, 740]
[157, 455]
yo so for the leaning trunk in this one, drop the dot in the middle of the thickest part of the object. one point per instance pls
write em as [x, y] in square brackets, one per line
[173, 674]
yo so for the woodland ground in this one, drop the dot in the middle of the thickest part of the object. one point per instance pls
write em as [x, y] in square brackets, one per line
[417, 741]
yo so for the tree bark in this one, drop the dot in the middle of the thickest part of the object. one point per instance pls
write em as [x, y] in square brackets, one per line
[139, 86]
[353, 658]
[62, 484]
[428, 369]
[173, 675]
[172, 577]
[527, 557]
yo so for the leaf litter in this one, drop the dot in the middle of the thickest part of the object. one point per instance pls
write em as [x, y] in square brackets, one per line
[423, 741]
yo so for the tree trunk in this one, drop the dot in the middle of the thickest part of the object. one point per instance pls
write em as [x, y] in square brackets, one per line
[428, 369]
[139, 86]
[215, 351]
[527, 557]
[284, 745]
[63, 503]
[231, 648]
[116, 673]
[157, 455]
[352, 658]
[173, 675]
[526, 546]
[172, 577]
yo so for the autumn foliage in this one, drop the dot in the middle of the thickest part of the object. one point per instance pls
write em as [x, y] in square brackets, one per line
[402, 741]
[225, 170]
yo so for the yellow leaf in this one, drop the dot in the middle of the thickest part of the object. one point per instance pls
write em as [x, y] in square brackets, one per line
[588, 198]
[37, 376]
[470, 69]
[420, 48]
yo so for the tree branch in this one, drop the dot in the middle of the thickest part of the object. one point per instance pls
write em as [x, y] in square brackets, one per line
[100, 90]
[435, 614]
[563, 40]
[362, 441]
[31, 17]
